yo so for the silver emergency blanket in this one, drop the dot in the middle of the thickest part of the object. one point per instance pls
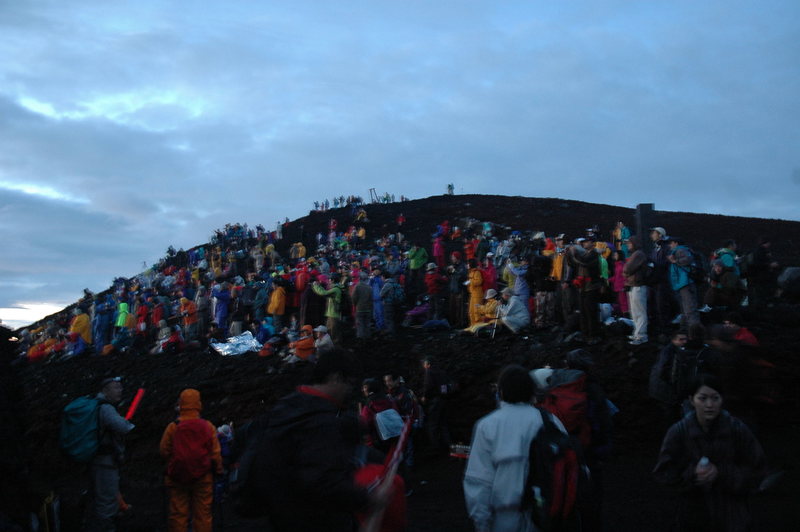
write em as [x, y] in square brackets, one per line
[236, 345]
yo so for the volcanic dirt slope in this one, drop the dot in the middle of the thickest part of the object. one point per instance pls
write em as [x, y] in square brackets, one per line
[705, 232]
[235, 389]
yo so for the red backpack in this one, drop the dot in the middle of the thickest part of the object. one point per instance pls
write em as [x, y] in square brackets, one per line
[192, 445]
[566, 399]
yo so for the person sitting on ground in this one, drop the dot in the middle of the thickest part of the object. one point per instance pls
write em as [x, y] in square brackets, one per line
[82, 325]
[174, 343]
[304, 346]
[513, 312]
[419, 314]
[323, 342]
[724, 288]
[488, 312]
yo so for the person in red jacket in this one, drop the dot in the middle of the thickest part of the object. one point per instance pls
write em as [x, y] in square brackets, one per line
[192, 452]
[435, 284]
[376, 401]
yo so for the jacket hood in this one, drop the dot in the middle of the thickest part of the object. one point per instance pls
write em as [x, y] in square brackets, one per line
[123, 307]
[190, 400]
[297, 407]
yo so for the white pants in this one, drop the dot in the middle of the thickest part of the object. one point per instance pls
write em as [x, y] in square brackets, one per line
[637, 298]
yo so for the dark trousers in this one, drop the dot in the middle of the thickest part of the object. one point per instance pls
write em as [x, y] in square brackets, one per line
[457, 311]
[590, 325]
[436, 424]
[565, 302]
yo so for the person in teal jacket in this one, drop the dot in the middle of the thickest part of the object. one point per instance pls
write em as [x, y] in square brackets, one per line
[727, 255]
[681, 259]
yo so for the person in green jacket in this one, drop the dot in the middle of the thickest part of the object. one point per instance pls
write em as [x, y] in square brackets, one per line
[333, 313]
[122, 317]
[417, 258]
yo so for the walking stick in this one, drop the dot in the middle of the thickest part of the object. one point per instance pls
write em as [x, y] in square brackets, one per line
[496, 319]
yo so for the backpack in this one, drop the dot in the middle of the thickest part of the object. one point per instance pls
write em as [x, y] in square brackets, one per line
[567, 399]
[698, 268]
[192, 444]
[398, 294]
[557, 478]
[81, 435]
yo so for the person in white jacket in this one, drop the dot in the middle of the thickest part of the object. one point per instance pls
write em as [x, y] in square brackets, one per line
[513, 311]
[498, 462]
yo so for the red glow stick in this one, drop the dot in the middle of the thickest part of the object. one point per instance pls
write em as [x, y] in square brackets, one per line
[135, 404]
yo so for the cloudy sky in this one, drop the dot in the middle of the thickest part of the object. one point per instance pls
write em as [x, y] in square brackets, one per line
[127, 128]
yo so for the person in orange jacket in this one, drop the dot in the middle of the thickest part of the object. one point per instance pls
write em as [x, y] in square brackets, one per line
[188, 311]
[191, 449]
[304, 346]
[475, 286]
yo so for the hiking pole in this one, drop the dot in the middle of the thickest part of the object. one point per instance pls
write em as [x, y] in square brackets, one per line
[135, 404]
[496, 319]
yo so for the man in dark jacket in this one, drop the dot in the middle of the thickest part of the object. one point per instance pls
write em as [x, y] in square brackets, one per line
[435, 388]
[587, 262]
[761, 274]
[458, 275]
[304, 468]
[661, 297]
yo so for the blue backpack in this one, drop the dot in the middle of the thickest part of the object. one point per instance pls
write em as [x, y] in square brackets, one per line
[80, 429]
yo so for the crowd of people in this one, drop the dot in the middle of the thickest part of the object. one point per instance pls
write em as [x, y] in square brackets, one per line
[468, 278]
[477, 278]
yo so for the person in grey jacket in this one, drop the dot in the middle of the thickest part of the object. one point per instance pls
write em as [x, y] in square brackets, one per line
[362, 302]
[104, 468]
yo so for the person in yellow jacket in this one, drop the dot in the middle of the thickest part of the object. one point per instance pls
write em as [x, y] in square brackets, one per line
[277, 306]
[82, 325]
[475, 287]
[488, 312]
[192, 452]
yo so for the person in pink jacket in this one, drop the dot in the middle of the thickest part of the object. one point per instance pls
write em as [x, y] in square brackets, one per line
[617, 283]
